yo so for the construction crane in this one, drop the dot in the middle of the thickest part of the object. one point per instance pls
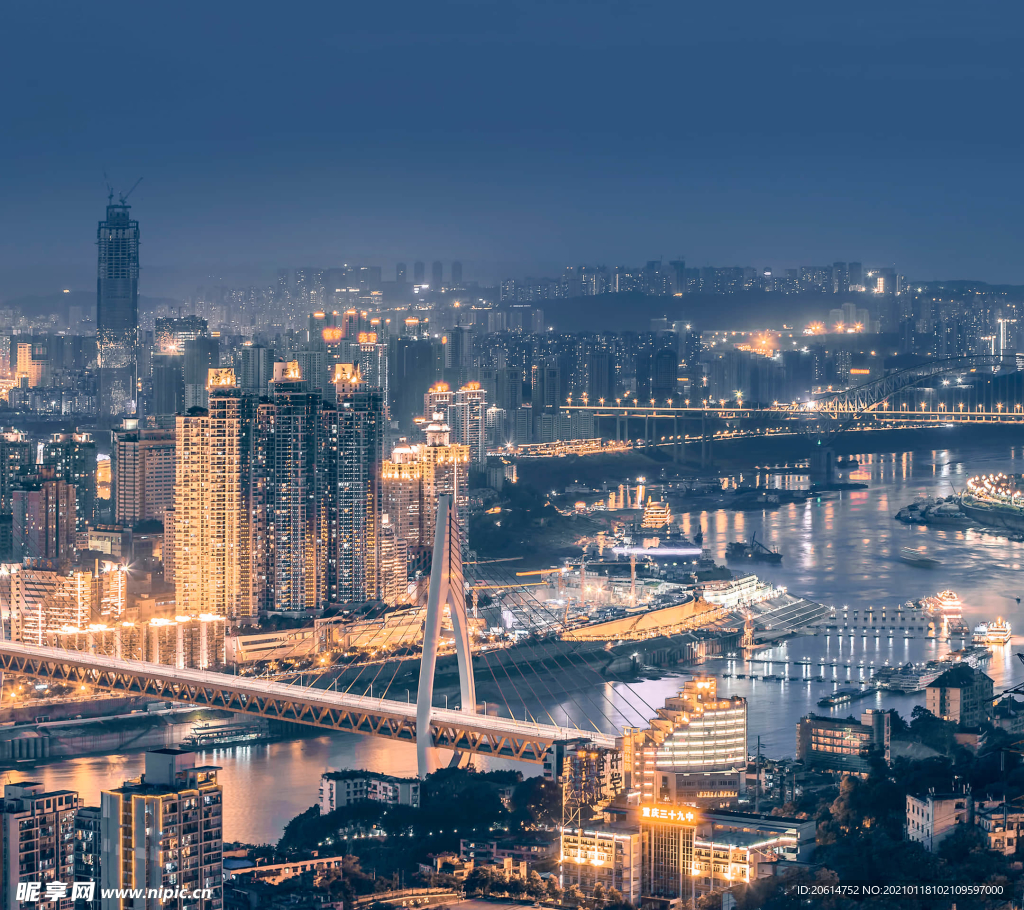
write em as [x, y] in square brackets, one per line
[124, 196]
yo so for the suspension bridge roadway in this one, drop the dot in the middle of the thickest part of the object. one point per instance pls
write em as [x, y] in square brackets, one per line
[461, 731]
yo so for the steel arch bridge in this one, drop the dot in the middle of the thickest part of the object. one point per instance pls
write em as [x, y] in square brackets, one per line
[870, 395]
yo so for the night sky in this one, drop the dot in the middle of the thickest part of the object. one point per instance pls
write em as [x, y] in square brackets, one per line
[518, 137]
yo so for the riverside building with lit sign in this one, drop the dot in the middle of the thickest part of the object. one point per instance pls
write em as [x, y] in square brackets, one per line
[694, 752]
[667, 842]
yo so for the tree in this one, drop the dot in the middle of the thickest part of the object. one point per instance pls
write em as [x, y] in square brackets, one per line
[479, 881]
[535, 885]
[598, 894]
[573, 894]
[553, 889]
[516, 887]
[536, 801]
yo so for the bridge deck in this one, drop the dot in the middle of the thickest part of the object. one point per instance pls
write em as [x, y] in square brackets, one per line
[476, 733]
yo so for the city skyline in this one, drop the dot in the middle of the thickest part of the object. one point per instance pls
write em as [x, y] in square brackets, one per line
[562, 453]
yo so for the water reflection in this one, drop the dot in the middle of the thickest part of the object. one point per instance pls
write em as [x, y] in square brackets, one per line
[840, 548]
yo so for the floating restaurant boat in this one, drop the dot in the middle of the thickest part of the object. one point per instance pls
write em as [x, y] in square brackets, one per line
[995, 500]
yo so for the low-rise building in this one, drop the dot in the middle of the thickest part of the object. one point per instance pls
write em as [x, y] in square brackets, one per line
[935, 816]
[532, 847]
[962, 695]
[843, 746]
[609, 855]
[1008, 715]
[797, 837]
[1003, 826]
[342, 788]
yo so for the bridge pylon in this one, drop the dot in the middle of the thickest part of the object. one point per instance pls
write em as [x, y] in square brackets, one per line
[447, 588]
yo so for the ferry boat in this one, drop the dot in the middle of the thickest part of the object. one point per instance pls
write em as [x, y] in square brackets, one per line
[914, 677]
[973, 655]
[919, 559]
[754, 551]
[992, 633]
[908, 678]
[839, 697]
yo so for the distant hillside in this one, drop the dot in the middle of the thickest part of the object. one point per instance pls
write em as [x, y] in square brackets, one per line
[634, 312]
[58, 302]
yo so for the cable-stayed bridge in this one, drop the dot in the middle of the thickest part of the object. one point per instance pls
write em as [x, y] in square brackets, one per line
[466, 730]
[461, 731]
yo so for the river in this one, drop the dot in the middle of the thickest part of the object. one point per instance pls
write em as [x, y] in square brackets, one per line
[840, 548]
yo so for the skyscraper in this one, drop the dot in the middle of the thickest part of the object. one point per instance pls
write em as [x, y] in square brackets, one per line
[419, 273]
[467, 417]
[354, 451]
[436, 275]
[297, 575]
[214, 505]
[117, 310]
[456, 274]
[400, 273]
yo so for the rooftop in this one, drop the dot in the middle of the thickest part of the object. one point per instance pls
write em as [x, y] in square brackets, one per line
[357, 774]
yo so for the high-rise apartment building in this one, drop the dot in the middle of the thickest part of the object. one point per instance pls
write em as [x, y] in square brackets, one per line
[467, 417]
[43, 524]
[73, 458]
[201, 355]
[167, 385]
[297, 576]
[414, 478]
[456, 274]
[353, 451]
[216, 550]
[164, 831]
[437, 400]
[255, 369]
[88, 841]
[840, 278]
[38, 830]
[419, 273]
[117, 310]
[16, 452]
[142, 472]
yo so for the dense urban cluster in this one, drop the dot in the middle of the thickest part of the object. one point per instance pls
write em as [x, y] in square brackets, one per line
[276, 457]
